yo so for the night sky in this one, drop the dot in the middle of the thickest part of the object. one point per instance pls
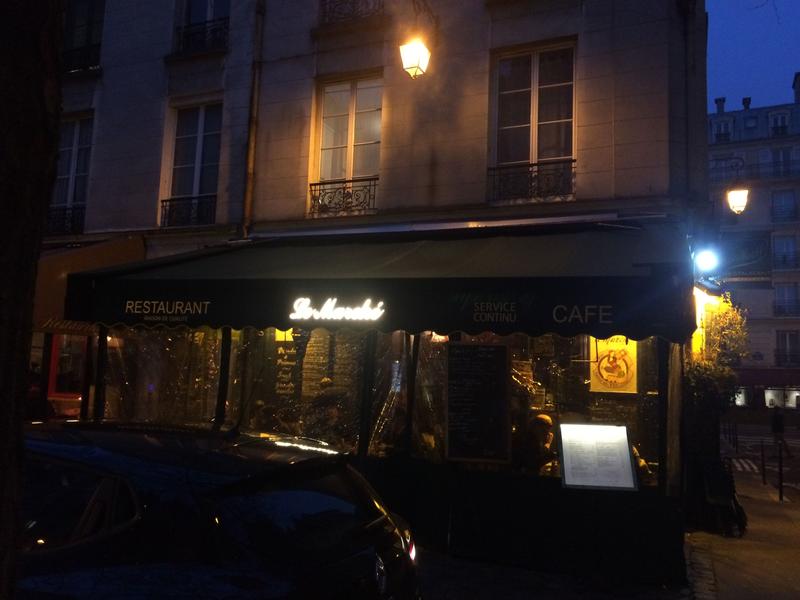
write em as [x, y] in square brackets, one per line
[753, 50]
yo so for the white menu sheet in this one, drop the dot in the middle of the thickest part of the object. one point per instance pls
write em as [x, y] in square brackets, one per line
[596, 456]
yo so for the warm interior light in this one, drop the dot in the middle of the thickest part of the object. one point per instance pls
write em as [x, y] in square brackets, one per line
[415, 56]
[737, 200]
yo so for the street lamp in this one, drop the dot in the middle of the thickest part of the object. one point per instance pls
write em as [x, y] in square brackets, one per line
[415, 53]
[737, 199]
[737, 195]
[415, 56]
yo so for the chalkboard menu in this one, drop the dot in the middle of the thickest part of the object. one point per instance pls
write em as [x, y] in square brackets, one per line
[477, 403]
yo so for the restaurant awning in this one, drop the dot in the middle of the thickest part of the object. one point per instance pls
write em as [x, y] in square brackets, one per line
[633, 280]
[51, 279]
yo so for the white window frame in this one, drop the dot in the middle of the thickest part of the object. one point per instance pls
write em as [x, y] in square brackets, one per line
[351, 128]
[75, 146]
[534, 109]
[168, 145]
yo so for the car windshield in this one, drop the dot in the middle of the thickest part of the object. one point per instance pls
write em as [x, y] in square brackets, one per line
[281, 520]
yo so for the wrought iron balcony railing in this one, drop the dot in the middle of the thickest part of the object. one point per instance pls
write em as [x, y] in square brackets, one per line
[535, 182]
[786, 308]
[85, 58]
[202, 37]
[722, 137]
[785, 261]
[723, 173]
[189, 211]
[343, 11]
[786, 358]
[65, 219]
[331, 198]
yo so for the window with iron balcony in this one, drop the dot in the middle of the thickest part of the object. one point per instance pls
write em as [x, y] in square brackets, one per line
[533, 128]
[204, 28]
[784, 252]
[68, 204]
[348, 148]
[195, 166]
[779, 124]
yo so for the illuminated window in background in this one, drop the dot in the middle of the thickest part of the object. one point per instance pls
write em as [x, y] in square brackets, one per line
[742, 396]
[773, 397]
[283, 336]
[351, 130]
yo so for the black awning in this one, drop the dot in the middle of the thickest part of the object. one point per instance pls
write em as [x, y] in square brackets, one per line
[634, 281]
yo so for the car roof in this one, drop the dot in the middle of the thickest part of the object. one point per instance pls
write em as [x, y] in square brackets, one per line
[160, 457]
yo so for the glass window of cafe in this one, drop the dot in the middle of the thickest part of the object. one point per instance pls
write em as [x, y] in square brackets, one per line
[486, 401]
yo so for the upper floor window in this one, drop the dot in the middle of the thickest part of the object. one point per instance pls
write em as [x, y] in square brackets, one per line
[195, 167]
[779, 123]
[781, 162]
[67, 206]
[722, 131]
[787, 351]
[533, 126]
[349, 146]
[750, 122]
[786, 299]
[534, 114]
[205, 26]
[784, 205]
[83, 32]
[784, 252]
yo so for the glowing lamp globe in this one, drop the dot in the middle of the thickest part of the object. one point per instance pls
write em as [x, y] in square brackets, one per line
[706, 261]
[737, 200]
[415, 56]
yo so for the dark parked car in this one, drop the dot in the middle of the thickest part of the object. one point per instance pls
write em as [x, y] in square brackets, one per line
[124, 512]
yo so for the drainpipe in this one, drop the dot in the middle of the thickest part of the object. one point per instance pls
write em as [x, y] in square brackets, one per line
[252, 125]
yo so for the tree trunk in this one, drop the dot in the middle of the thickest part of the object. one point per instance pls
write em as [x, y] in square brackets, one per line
[30, 103]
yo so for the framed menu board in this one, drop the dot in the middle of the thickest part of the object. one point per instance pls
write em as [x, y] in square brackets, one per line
[478, 426]
[596, 456]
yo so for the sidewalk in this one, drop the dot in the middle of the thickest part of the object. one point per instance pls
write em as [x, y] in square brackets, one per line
[448, 578]
[765, 562]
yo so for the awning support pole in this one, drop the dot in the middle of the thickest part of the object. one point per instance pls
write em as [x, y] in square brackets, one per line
[367, 382]
[47, 359]
[411, 390]
[88, 371]
[100, 374]
[224, 377]
[664, 374]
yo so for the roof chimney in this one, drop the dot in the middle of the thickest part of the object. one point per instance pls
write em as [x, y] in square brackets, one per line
[746, 102]
[720, 102]
[796, 87]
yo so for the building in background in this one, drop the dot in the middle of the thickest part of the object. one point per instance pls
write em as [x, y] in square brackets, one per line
[759, 148]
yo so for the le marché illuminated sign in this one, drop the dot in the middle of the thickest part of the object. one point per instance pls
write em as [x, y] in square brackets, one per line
[330, 311]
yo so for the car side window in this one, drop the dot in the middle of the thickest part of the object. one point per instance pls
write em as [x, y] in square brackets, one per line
[64, 504]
